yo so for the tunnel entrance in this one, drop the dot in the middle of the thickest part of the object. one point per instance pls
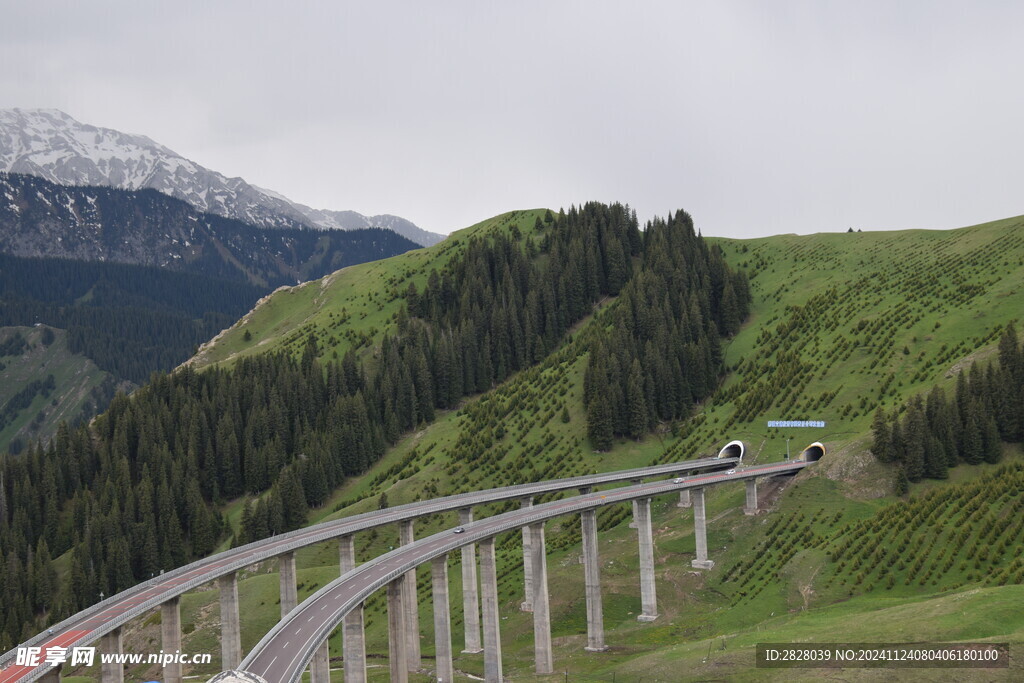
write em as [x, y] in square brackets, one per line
[733, 449]
[813, 453]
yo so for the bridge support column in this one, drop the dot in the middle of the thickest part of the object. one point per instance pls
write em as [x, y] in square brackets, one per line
[592, 577]
[230, 631]
[170, 638]
[700, 532]
[541, 608]
[397, 658]
[648, 595]
[353, 641]
[527, 604]
[320, 667]
[445, 670]
[751, 506]
[289, 591]
[470, 596]
[51, 676]
[346, 554]
[492, 621]
[632, 524]
[110, 644]
[684, 499]
[411, 602]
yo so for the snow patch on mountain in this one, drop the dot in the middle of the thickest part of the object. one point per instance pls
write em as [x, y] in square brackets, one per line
[52, 145]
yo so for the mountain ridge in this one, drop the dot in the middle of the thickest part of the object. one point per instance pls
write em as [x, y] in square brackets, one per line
[39, 218]
[52, 145]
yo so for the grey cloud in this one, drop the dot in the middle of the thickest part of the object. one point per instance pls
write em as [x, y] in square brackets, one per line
[758, 118]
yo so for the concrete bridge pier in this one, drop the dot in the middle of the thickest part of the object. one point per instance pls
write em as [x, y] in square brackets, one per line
[700, 532]
[346, 554]
[648, 596]
[286, 576]
[684, 499]
[397, 656]
[751, 507]
[110, 644]
[541, 607]
[632, 524]
[230, 630]
[51, 676]
[411, 602]
[444, 669]
[527, 604]
[170, 637]
[492, 620]
[320, 666]
[353, 641]
[592, 578]
[354, 646]
[470, 596]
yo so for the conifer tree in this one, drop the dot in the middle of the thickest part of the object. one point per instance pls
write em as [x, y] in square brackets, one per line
[881, 444]
[636, 403]
[992, 447]
[915, 435]
[599, 423]
[972, 448]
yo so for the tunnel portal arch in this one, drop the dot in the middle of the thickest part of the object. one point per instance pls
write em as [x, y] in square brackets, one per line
[813, 453]
[733, 449]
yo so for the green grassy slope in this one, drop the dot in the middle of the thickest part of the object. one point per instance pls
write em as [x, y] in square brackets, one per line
[351, 307]
[75, 376]
[841, 323]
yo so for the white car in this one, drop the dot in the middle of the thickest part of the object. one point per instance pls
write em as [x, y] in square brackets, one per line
[731, 472]
[678, 480]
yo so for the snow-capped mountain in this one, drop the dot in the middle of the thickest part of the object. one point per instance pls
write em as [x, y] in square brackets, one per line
[352, 220]
[50, 144]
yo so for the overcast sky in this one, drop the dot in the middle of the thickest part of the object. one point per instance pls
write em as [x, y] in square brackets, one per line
[756, 117]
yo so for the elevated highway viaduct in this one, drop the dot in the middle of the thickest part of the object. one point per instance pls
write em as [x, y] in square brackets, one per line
[103, 621]
[285, 651]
